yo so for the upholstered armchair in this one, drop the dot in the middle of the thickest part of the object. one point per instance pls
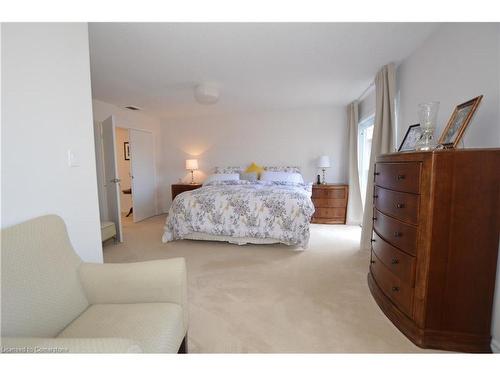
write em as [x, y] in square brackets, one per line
[54, 302]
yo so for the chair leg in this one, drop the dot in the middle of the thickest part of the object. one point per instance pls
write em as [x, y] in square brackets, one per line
[183, 349]
[130, 211]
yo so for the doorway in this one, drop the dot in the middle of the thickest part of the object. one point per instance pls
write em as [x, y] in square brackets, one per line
[124, 172]
[127, 181]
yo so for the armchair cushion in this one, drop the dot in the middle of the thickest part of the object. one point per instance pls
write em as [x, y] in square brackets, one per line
[142, 282]
[156, 327]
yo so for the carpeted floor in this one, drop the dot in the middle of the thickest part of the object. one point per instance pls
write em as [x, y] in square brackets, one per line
[270, 298]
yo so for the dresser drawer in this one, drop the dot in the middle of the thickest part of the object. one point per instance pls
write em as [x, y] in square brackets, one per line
[400, 263]
[329, 193]
[398, 292]
[397, 233]
[402, 206]
[326, 202]
[398, 176]
[335, 212]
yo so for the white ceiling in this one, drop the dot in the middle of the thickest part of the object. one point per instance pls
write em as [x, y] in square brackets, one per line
[257, 66]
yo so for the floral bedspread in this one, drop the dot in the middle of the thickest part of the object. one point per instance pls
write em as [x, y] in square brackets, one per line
[257, 209]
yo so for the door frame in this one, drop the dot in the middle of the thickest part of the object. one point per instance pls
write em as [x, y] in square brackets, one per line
[119, 226]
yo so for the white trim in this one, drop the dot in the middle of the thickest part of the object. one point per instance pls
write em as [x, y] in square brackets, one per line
[366, 91]
[495, 346]
[366, 122]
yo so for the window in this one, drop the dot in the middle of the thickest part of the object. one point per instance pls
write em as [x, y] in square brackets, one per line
[365, 135]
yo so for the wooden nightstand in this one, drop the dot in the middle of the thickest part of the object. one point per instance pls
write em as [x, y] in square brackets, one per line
[330, 202]
[180, 188]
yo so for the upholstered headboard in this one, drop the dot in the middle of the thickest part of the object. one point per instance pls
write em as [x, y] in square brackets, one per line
[285, 168]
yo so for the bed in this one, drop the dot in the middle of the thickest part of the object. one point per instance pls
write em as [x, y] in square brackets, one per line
[241, 212]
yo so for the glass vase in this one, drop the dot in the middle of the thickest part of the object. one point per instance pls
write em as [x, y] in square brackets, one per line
[427, 114]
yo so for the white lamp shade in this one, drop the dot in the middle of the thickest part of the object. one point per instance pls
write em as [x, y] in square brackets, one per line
[324, 161]
[192, 164]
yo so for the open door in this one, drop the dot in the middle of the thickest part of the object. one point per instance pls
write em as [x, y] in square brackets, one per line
[143, 174]
[112, 181]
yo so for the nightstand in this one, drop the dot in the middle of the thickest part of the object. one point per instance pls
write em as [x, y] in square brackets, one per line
[180, 188]
[330, 203]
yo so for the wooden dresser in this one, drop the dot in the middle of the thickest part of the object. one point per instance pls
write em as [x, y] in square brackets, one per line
[330, 203]
[435, 243]
[180, 188]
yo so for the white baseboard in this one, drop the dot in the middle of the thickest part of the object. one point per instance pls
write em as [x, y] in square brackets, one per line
[495, 346]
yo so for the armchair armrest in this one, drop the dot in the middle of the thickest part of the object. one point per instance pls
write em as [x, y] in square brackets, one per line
[67, 345]
[162, 280]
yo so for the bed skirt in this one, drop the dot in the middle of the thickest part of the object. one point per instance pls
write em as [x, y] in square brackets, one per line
[234, 240]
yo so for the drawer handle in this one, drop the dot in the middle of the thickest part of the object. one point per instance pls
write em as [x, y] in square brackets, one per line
[400, 177]
[397, 234]
[374, 219]
[373, 240]
[395, 261]
[376, 173]
[400, 205]
[395, 288]
[375, 196]
[372, 261]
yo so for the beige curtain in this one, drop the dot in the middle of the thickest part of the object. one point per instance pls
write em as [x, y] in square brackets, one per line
[382, 142]
[354, 206]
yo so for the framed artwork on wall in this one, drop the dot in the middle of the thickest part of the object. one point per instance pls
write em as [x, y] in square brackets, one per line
[458, 122]
[126, 150]
[411, 138]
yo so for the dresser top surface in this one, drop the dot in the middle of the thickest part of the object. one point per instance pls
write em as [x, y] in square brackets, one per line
[423, 155]
[329, 186]
[185, 185]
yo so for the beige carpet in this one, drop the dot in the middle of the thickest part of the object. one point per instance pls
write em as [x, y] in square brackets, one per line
[270, 298]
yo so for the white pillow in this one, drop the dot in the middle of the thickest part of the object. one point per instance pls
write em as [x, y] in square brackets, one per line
[222, 177]
[282, 177]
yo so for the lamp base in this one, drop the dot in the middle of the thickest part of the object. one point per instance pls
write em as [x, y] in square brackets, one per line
[324, 178]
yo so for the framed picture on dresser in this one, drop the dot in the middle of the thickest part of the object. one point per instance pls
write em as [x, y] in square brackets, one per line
[460, 118]
[411, 138]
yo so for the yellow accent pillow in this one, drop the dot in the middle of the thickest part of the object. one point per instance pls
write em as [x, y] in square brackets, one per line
[254, 168]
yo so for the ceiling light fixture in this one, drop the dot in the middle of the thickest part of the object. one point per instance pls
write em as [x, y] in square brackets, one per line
[132, 108]
[206, 93]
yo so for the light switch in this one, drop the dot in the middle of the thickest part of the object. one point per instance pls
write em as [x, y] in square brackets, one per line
[73, 159]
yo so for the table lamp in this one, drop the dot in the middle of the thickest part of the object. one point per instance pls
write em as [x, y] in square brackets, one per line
[323, 163]
[192, 165]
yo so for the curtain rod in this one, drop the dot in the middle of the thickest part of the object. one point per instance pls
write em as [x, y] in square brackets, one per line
[372, 83]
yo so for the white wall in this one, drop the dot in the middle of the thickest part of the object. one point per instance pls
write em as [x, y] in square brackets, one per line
[126, 118]
[46, 110]
[293, 137]
[123, 169]
[457, 63]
